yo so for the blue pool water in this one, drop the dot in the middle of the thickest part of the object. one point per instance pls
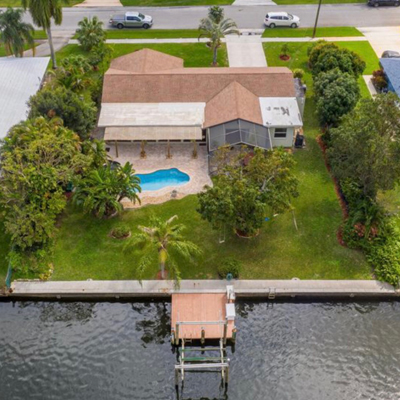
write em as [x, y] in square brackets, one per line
[163, 178]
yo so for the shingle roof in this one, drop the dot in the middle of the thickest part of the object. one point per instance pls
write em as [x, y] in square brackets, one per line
[153, 82]
[391, 66]
[233, 102]
[20, 78]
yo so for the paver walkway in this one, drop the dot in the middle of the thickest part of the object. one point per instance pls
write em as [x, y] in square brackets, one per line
[383, 38]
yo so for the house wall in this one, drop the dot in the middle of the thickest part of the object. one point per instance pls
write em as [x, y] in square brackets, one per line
[285, 142]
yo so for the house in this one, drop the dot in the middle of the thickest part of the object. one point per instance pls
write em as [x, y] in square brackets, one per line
[391, 69]
[148, 95]
[20, 78]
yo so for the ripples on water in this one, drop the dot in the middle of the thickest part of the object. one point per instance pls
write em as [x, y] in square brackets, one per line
[304, 351]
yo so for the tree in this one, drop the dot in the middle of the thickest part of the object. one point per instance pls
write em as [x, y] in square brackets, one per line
[242, 192]
[77, 114]
[165, 240]
[42, 11]
[38, 159]
[327, 56]
[102, 190]
[337, 93]
[216, 14]
[215, 31]
[90, 33]
[14, 33]
[365, 148]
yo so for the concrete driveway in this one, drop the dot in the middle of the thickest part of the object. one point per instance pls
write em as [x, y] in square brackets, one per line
[383, 38]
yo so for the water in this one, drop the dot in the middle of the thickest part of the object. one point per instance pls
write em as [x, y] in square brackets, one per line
[296, 351]
[163, 178]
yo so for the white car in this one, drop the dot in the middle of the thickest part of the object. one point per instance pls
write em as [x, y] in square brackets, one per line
[273, 19]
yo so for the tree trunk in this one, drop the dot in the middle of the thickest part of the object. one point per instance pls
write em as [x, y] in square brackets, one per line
[162, 266]
[215, 56]
[53, 55]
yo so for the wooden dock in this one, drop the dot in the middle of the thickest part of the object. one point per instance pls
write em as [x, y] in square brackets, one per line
[197, 316]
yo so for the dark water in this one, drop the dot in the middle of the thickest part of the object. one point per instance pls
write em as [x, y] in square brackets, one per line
[304, 351]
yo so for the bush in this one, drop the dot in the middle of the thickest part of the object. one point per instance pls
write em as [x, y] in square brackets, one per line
[285, 49]
[379, 79]
[298, 73]
[120, 232]
[328, 56]
[77, 114]
[31, 263]
[90, 33]
[230, 266]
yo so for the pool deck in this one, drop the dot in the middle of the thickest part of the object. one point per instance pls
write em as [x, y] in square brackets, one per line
[262, 289]
[156, 159]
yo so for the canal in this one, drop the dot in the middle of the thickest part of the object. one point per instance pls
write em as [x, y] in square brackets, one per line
[284, 350]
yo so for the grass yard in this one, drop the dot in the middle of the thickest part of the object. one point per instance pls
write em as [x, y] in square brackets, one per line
[152, 33]
[307, 32]
[194, 54]
[299, 59]
[18, 3]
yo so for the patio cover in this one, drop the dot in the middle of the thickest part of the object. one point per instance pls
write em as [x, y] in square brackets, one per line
[128, 133]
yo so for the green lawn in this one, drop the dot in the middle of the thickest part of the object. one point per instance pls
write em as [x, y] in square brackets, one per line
[18, 3]
[298, 53]
[152, 34]
[194, 54]
[307, 32]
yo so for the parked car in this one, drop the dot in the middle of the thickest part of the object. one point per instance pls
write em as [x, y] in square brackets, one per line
[377, 3]
[390, 54]
[273, 19]
[131, 20]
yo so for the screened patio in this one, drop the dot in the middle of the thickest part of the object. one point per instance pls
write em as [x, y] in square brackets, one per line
[238, 132]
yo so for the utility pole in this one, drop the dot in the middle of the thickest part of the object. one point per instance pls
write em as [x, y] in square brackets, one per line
[316, 19]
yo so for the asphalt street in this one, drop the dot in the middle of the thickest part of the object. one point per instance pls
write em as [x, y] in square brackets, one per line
[249, 17]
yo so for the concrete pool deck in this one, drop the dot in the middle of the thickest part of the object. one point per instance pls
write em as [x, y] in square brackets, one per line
[156, 159]
[262, 289]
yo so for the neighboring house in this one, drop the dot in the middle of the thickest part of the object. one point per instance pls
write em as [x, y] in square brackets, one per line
[148, 95]
[20, 78]
[391, 69]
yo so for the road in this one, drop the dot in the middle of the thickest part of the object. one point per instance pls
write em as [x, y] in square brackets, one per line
[250, 17]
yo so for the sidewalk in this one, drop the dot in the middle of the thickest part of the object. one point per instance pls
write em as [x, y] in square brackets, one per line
[100, 3]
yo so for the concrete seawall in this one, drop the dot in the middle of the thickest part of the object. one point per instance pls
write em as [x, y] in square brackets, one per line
[262, 289]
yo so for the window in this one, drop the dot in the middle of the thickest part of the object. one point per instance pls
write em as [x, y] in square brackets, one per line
[132, 18]
[280, 133]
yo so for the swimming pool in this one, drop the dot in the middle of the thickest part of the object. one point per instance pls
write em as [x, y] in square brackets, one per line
[163, 178]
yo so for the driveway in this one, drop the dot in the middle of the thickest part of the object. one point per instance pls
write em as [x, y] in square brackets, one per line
[383, 38]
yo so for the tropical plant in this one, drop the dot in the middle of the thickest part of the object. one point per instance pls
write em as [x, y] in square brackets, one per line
[14, 33]
[100, 57]
[42, 12]
[215, 31]
[102, 190]
[164, 240]
[77, 114]
[216, 14]
[90, 33]
[38, 159]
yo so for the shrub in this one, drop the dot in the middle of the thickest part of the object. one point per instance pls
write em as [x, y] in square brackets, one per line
[379, 79]
[298, 73]
[77, 114]
[285, 49]
[311, 47]
[230, 266]
[120, 232]
[33, 262]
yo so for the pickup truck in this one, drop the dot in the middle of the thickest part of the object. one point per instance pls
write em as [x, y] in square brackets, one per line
[131, 20]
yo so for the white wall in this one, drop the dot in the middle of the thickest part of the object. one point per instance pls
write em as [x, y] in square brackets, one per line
[285, 142]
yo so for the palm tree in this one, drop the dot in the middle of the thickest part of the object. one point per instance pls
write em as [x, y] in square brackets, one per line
[103, 189]
[14, 33]
[42, 11]
[215, 31]
[166, 241]
[90, 33]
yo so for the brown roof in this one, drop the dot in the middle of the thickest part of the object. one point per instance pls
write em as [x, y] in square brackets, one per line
[145, 60]
[233, 102]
